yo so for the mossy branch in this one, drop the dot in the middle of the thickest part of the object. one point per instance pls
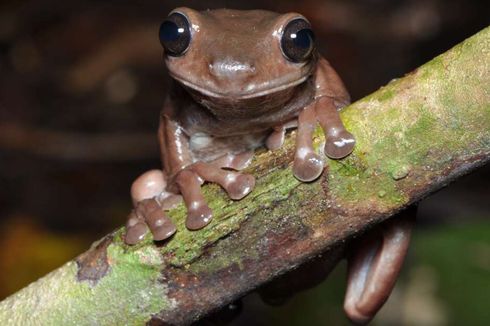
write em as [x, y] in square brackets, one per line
[414, 135]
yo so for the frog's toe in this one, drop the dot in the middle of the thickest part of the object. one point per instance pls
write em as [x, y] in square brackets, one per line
[240, 186]
[275, 139]
[340, 145]
[241, 161]
[308, 168]
[160, 225]
[198, 217]
[136, 229]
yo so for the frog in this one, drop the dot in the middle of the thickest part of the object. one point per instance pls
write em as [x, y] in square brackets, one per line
[226, 102]
[240, 81]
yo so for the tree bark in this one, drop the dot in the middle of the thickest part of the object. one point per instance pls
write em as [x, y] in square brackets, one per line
[414, 136]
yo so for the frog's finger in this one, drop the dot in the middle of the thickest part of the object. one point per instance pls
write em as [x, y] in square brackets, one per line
[339, 142]
[374, 267]
[307, 165]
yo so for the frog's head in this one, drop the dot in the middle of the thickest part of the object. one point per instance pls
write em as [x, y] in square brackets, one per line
[233, 56]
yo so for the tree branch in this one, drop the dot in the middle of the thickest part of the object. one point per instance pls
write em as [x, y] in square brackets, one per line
[414, 135]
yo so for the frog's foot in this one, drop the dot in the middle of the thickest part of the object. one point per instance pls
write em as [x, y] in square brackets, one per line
[374, 267]
[307, 165]
[339, 142]
[151, 201]
[148, 215]
[189, 182]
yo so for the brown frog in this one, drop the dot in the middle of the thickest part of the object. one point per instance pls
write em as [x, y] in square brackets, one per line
[241, 79]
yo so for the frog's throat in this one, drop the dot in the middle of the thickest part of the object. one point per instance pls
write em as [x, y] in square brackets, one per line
[244, 96]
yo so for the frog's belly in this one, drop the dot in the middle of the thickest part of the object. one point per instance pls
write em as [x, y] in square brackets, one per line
[207, 148]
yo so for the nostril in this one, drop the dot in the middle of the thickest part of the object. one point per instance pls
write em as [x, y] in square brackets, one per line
[231, 68]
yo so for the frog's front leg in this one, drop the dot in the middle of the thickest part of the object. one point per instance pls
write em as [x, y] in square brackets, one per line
[330, 95]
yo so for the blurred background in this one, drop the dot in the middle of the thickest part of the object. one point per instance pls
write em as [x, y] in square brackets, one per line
[81, 86]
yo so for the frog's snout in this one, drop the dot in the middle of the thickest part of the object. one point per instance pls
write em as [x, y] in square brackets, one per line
[231, 69]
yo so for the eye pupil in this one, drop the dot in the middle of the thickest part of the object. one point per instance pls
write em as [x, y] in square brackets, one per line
[175, 35]
[298, 41]
[304, 38]
[169, 32]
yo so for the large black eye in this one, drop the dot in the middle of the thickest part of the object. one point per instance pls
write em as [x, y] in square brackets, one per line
[175, 34]
[298, 40]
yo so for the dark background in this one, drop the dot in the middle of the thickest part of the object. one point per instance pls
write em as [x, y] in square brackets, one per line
[81, 85]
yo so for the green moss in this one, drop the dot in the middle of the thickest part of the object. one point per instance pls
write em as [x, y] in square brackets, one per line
[413, 132]
[267, 220]
[187, 245]
[385, 94]
[130, 291]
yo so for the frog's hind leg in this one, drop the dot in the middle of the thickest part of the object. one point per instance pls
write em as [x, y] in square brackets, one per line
[375, 265]
[152, 197]
[150, 200]
[339, 142]
[237, 185]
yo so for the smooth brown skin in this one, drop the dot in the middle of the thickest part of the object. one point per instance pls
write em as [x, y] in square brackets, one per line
[234, 91]
[374, 265]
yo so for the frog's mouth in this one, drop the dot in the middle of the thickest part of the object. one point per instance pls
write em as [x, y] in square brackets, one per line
[244, 95]
[266, 102]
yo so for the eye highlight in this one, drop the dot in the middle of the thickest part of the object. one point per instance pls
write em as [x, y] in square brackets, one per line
[175, 34]
[298, 40]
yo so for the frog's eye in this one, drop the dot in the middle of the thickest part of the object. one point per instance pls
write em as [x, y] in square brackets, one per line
[298, 40]
[175, 34]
